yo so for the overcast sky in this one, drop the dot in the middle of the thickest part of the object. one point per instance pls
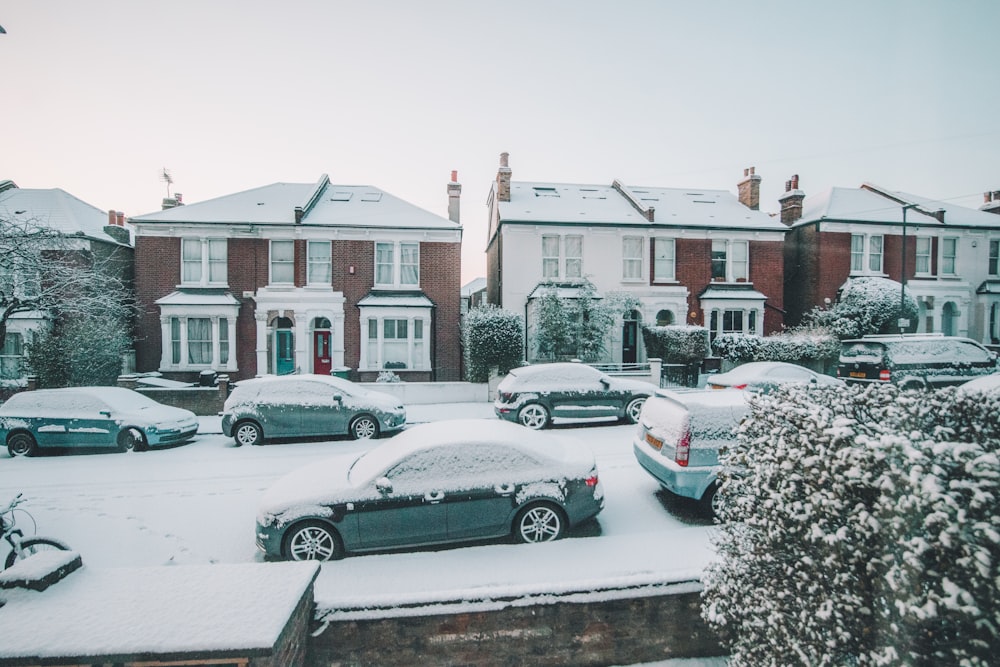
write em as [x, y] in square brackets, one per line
[98, 97]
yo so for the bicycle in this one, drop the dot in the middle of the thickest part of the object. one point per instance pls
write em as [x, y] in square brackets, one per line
[21, 546]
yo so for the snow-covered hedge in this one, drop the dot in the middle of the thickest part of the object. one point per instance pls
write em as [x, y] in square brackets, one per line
[676, 344]
[867, 305]
[492, 338]
[860, 527]
[801, 345]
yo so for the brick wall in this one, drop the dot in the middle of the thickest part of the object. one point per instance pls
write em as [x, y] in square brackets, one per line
[441, 281]
[157, 273]
[292, 647]
[694, 270]
[607, 632]
[767, 270]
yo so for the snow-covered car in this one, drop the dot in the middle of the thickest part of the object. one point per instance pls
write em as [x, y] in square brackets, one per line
[301, 406]
[90, 417]
[447, 481]
[766, 375]
[679, 437]
[535, 395]
[981, 384]
[914, 361]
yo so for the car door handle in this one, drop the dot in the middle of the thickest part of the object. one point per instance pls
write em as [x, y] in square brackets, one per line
[504, 489]
[434, 496]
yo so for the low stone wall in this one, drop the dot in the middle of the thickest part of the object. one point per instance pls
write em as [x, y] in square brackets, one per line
[609, 628]
[203, 401]
[414, 393]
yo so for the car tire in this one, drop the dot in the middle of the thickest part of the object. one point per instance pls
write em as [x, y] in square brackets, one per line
[364, 427]
[913, 385]
[539, 522]
[131, 440]
[248, 433]
[533, 416]
[709, 502]
[312, 540]
[633, 409]
[21, 444]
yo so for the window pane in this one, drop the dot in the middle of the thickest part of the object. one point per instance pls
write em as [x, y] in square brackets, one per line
[857, 252]
[223, 341]
[718, 259]
[739, 262]
[663, 259]
[948, 252]
[409, 258]
[199, 340]
[319, 262]
[191, 260]
[923, 255]
[632, 258]
[282, 261]
[217, 260]
[550, 256]
[994, 256]
[418, 329]
[373, 329]
[175, 340]
[574, 256]
[383, 263]
[875, 254]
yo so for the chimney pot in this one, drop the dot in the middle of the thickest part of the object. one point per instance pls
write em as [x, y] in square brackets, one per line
[746, 172]
[503, 159]
[113, 216]
[753, 170]
[120, 219]
[503, 178]
[795, 182]
[454, 176]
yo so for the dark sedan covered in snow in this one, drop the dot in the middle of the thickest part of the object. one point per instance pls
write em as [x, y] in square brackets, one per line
[303, 406]
[447, 481]
[90, 417]
[535, 395]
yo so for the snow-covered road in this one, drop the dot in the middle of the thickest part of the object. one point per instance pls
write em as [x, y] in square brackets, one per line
[196, 504]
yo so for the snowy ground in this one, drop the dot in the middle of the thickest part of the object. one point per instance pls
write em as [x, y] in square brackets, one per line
[196, 504]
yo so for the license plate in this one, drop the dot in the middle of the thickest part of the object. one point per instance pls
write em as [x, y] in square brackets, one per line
[857, 374]
[656, 443]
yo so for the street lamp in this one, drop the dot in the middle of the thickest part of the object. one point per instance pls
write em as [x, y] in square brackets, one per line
[903, 322]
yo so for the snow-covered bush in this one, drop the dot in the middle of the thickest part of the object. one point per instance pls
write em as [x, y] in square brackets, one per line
[866, 305]
[79, 351]
[738, 348]
[676, 344]
[387, 376]
[795, 346]
[492, 338]
[576, 326]
[860, 528]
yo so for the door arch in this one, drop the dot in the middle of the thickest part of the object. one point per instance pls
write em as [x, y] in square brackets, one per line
[284, 346]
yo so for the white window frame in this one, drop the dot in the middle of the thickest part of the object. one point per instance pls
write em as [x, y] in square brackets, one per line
[397, 264]
[377, 351]
[176, 352]
[574, 256]
[319, 264]
[949, 260]
[735, 268]
[993, 257]
[867, 250]
[278, 266]
[923, 265]
[664, 260]
[551, 262]
[632, 259]
[212, 270]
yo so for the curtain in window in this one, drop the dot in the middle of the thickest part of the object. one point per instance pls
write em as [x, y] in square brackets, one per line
[319, 263]
[217, 261]
[574, 256]
[199, 340]
[632, 258]
[223, 341]
[550, 256]
[191, 260]
[283, 262]
[857, 252]
[663, 259]
[409, 257]
[875, 254]
[740, 262]
[719, 260]
[383, 263]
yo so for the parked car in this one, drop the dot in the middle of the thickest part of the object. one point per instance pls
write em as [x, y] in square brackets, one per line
[914, 361]
[766, 375]
[87, 417]
[447, 481]
[534, 395]
[300, 406]
[679, 437]
[981, 384]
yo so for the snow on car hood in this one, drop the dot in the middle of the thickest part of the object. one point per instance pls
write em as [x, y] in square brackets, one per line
[309, 491]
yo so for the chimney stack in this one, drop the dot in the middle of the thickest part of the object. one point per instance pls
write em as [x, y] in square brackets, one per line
[454, 199]
[749, 189]
[991, 202]
[116, 227]
[503, 179]
[791, 201]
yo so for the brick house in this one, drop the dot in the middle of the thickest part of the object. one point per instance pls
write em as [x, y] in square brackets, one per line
[949, 254]
[294, 277]
[91, 235]
[689, 256]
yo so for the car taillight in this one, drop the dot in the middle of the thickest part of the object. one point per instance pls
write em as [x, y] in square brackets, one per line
[683, 449]
[884, 375]
[592, 480]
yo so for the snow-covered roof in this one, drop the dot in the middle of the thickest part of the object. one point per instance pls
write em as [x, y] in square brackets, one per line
[473, 286]
[871, 203]
[198, 298]
[57, 210]
[604, 204]
[103, 612]
[730, 292]
[322, 204]
[396, 301]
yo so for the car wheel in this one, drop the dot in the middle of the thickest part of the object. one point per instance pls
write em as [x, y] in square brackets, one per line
[21, 444]
[709, 503]
[313, 541]
[248, 433]
[633, 409]
[533, 415]
[541, 522]
[364, 427]
[913, 385]
[131, 440]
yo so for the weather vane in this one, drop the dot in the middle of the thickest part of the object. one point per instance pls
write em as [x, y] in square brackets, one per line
[165, 176]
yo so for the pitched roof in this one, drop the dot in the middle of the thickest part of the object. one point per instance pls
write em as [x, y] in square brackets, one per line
[566, 203]
[322, 204]
[870, 203]
[55, 209]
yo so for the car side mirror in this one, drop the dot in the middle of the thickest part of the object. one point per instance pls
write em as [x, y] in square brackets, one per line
[105, 413]
[605, 383]
[338, 398]
[383, 485]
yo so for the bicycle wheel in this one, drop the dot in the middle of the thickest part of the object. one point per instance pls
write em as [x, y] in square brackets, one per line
[33, 545]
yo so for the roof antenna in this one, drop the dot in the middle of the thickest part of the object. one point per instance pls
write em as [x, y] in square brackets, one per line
[165, 176]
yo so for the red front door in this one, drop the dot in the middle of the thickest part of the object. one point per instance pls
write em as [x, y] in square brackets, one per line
[322, 363]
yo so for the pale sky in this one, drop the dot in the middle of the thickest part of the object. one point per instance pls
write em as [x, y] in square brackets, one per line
[98, 97]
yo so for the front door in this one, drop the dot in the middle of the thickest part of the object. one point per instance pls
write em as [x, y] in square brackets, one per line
[630, 332]
[322, 361]
[284, 352]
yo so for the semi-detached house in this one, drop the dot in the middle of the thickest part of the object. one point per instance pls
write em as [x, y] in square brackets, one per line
[300, 277]
[689, 256]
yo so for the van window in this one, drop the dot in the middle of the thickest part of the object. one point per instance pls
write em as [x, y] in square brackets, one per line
[862, 351]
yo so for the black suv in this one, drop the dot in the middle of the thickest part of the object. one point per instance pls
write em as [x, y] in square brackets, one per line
[914, 361]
